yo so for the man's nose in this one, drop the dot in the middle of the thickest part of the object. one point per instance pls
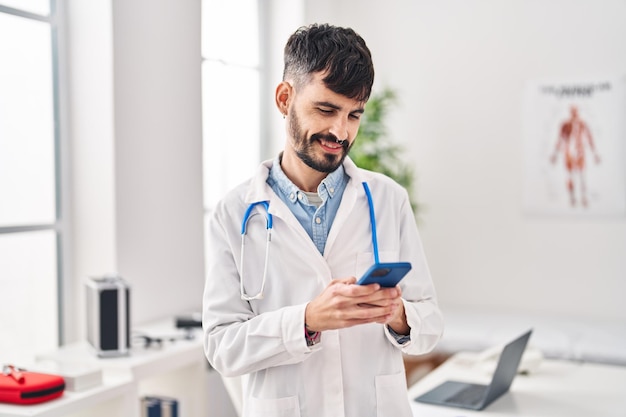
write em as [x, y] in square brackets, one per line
[339, 128]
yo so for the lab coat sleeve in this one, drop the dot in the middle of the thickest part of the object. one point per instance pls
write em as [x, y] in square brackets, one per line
[237, 341]
[418, 292]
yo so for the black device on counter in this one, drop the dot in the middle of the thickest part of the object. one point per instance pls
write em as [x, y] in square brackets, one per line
[189, 321]
[108, 315]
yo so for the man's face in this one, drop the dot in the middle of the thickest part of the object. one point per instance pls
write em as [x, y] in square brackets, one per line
[318, 120]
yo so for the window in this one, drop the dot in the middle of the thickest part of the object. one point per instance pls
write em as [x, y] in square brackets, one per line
[231, 94]
[30, 229]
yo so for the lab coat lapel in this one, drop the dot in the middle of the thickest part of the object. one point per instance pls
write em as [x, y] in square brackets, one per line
[260, 190]
[353, 191]
[279, 209]
[348, 201]
[312, 256]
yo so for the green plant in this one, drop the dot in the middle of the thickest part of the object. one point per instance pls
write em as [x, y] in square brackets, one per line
[373, 150]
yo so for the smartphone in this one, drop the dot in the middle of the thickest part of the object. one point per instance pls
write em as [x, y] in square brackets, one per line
[385, 274]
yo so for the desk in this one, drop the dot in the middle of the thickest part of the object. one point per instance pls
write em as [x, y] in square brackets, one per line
[178, 369]
[118, 393]
[557, 388]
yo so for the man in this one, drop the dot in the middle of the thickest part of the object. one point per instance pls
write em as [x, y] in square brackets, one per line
[573, 135]
[286, 312]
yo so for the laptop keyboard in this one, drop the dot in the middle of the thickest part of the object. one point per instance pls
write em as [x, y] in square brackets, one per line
[471, 395]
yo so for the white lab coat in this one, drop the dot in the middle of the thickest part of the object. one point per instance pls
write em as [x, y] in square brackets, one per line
[353, 372]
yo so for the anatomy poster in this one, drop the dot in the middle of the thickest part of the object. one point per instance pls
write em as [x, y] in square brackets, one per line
[575, 147]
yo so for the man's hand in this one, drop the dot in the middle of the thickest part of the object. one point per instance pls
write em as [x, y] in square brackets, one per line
[343, 304]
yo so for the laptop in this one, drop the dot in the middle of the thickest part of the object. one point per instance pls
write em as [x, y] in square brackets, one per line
[478, 396]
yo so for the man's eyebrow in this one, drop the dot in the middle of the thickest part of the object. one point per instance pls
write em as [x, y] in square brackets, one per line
[359, 110]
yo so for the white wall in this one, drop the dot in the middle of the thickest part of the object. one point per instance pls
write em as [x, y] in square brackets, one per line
[158, 154]
[459, 68]
[136, 148]
[89, 131]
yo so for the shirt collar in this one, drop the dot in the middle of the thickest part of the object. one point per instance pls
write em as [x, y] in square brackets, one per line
[332, 182]
[328, 187]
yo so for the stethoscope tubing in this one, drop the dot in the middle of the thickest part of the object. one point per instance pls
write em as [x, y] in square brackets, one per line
[269, 225]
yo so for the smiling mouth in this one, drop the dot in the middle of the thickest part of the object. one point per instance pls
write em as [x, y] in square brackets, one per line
[332, 143]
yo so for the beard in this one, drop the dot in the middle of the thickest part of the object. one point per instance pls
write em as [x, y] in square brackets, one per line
[305, 147]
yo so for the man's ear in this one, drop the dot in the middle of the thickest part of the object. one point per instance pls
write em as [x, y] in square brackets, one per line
[284, 92]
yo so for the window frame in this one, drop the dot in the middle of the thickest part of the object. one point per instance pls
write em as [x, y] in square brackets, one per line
[58, 225]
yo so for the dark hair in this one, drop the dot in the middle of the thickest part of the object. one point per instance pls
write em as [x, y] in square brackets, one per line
[340, 52]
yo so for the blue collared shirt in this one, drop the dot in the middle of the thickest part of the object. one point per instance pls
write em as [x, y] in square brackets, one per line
[315, 220]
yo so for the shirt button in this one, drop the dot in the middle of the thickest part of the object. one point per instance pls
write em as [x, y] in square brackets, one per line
[318, 220]
[291, 196]
[332, 190]
[299, 196]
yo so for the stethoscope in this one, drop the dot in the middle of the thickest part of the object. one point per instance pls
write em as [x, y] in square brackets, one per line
[268, 226]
